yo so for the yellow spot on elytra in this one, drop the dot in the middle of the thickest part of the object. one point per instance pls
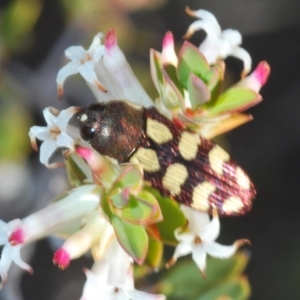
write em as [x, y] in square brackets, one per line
[201, 195]
[175, 176]
[147, 158]
[158, 132]
[242, 179]
[217, 156]
[233, 204]
[188, 145]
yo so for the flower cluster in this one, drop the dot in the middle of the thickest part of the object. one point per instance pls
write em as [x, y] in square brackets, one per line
[111, 211]
[190, 83]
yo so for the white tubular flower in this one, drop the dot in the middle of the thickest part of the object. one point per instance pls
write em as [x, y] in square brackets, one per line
[218, 44]
[96, 235]
[106, 71]
[112, 279]
[65, 214]
[114, 71]
[10, 253]
[54, 135]
[82, 62]
[200, 239]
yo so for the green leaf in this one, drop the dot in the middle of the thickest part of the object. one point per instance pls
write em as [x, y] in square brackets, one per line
[215, 83]
[77, 170]
[133, 238]
[172, 95]
[155, 253]
[221, 275]
[129, 177]
[235, 99]
[143, 209]
[236, 288]
[156, 67]
[119, 198]
[105, 204]
[173, 218]
[191, 60]
[171, 71]
[198, 91]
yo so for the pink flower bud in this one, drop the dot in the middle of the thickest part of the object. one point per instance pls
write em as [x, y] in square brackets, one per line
[61, 258]
[262, 72]
[168, 54]
[16, 237]
[257, 78]
[93, 159]
[110, 39]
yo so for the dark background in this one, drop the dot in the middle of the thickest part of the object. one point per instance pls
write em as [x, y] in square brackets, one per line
[268, 148]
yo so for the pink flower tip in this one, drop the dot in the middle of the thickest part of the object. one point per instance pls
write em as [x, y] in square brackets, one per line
[16, 237]
[168, 40]
[110, 39]
[61, 258]
[262, 72]
[85, 153]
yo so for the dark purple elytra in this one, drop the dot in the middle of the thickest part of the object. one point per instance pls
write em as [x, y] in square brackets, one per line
[122, 130]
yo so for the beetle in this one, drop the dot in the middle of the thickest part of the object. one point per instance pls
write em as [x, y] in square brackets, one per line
[178, 162]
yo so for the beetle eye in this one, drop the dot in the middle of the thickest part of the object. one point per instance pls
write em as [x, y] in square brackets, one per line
[87, 133]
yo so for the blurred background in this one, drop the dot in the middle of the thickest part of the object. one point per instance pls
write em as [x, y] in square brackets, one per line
[33, 37]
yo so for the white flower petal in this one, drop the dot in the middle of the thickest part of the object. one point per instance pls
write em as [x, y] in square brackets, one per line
[197, 219]
[99, 53]
[95, 43]
[3, 226]
[119, 295]
[210, 48]
[66, 71]
[5, 261]
[111, 280]
[218, 45]
[209, 18]
[75, 53]
[11, 254]
[187, 237]
[47, 149]
[3, 238]
[16, 256]
[224, 50]
[211, 231]
[119, 266]
[91, 289]
[138, 295]
[88, 73]
[41, 133]
[64, 117]
[243, 55]
[63, 140]
[208, 28]
[182, 249]
[220, 251]
[232, 36]
[199, 257]
[49, 116]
